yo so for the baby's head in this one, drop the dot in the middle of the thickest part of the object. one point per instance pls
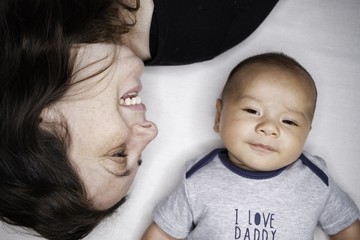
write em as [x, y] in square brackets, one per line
[265, 112]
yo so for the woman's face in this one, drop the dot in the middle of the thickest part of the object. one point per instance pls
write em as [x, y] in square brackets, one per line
[106, 121]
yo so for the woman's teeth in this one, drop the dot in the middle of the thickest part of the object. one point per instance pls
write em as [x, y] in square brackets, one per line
[130, 101]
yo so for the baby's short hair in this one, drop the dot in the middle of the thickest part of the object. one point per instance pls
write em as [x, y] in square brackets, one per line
[278, 59]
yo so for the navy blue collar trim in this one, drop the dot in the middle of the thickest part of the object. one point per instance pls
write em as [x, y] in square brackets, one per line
[223, 155]
[204, 161]
[246, 173]
[315, 169]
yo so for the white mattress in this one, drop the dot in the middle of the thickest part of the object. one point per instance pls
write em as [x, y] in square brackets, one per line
[323, 35]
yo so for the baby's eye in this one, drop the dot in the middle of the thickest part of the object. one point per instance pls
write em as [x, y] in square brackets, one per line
[291, 123]
[251, 111]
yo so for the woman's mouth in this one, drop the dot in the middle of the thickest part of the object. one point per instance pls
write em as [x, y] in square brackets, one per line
[130, 99]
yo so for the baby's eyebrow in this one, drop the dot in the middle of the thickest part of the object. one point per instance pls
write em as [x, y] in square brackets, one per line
[247, 97]
[288, 108]
[300, 113]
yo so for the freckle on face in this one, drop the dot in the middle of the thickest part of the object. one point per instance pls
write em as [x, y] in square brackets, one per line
[105, 180]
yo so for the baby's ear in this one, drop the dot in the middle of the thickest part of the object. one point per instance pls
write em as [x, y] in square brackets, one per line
[217, 115]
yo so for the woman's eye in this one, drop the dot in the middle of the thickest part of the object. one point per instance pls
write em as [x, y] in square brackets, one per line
[289, 122]
[251, 111]
[120, 154]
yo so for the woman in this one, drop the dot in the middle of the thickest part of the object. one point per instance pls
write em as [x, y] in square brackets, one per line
[69, 134]
[72, 122]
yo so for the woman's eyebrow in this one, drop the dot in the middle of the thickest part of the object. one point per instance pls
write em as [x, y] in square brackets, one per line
[125, 173]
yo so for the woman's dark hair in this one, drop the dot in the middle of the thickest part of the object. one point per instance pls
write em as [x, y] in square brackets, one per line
[39, 187]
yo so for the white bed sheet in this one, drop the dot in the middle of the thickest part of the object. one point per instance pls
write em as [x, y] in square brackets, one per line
[323, 35]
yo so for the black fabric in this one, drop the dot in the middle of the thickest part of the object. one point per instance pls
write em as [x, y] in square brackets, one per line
[188, 31]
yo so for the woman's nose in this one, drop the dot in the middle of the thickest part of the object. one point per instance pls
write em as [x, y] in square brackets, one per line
[142, 134]
[268, 127]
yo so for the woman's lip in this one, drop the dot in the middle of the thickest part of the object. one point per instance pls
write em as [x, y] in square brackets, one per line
[136, 89]
[133, 93]
[138, 107]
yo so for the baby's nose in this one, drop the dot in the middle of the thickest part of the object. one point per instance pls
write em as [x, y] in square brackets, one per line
[268, 127]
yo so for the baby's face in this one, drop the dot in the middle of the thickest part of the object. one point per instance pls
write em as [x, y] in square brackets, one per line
[264, 119]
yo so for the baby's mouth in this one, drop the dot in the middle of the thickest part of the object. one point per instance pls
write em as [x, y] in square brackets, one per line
[129, 99]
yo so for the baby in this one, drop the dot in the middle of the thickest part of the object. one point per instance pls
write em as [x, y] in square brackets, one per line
[262, 185]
